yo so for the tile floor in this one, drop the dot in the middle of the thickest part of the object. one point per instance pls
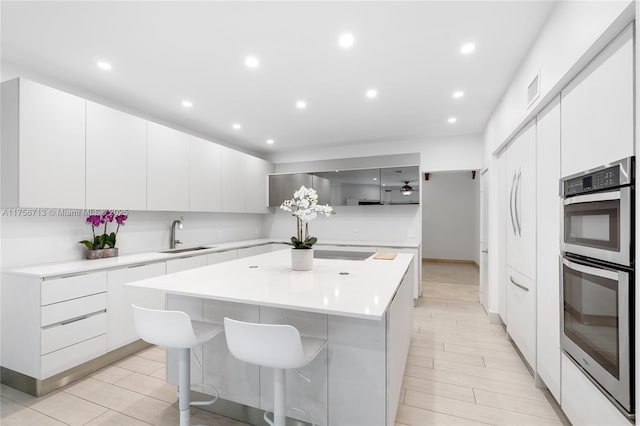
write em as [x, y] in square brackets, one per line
[461, 370]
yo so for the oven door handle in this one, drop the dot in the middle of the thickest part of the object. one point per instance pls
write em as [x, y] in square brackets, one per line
[513, 184]
[518, 182]
[589, 198]
[598, 272]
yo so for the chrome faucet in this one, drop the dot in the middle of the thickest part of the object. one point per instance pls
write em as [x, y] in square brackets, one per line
[173, 241]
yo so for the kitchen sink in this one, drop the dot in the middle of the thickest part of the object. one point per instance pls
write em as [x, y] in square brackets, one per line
[187, 249]
[342, 255]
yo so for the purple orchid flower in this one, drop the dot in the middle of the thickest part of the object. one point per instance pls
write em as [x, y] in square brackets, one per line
[94, 220]
[121, 219]
[108, 216]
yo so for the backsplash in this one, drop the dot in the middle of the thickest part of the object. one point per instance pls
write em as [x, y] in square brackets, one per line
[355, 223]
[32, 240]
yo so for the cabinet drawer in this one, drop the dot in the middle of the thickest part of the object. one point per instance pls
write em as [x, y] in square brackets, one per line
[61, 289]
[62, 311]
[71, 356]
[60, 336]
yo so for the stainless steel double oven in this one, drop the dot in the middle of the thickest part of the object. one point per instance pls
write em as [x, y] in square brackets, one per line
[597, 287]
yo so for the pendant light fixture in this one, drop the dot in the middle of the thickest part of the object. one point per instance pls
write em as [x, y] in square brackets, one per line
[406, 189]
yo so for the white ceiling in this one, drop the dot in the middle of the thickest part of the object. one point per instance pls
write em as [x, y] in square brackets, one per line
[164, 52]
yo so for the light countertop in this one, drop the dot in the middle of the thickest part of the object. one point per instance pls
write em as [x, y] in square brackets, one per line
[267, 280]
[84, 265]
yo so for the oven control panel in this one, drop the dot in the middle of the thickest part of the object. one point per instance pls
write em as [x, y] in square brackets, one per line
[596, 181]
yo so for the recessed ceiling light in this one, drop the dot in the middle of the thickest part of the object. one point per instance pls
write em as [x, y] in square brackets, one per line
[237, 126]
[187, 104]
[270, 141]
[458, 94]
[252, 62]
[372, 94]
[467, 48]
[301, 104]
[104, 65]
[452, 120]
[375, 178]
[346, 40]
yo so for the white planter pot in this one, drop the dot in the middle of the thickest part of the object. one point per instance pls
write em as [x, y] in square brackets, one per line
[301, 259]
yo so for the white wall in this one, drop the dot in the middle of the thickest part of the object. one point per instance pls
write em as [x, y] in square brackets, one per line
[451, 216]
[436, 154]
[574, 33]
[32, 240]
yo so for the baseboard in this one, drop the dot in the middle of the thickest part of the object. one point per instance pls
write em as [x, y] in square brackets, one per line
[38, 387]
[466, 262]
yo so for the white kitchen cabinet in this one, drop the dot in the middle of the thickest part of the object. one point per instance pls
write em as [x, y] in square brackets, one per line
[521, 178]
[521, 314]
[204, 176]
[177, 265]
[253, 251]
[50, 325]
[116, 173]
[256, 184]
[233, 180]
[167, 168]
[549, 213]
[43, 146]
[415, 269]
[222, 256]
[598, 109]
[120, 326]
[583, 403]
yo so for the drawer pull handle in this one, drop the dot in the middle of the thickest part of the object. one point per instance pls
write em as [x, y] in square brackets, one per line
[73, 275]
[71, 321]
[516, 284]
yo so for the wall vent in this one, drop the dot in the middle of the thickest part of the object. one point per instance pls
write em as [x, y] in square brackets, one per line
[533, 90]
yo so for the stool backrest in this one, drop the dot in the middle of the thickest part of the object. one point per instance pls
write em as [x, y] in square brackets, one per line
[271, 345]
[172, 329]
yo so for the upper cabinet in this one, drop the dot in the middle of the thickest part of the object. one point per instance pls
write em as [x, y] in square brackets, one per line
[167, 168]
[233, 176]
[204, 176]
[62, 151]
[43, 146]
[116, 159]
[597, 109]
[256, 184]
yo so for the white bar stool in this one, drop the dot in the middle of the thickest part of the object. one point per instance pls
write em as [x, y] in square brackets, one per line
[176, 330]
[278, 346]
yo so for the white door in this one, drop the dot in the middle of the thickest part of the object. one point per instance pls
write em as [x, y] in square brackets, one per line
[521, 221]
[484, 237]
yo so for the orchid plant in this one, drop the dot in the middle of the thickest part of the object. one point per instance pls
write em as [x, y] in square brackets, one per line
[105, 239]
[304, 207]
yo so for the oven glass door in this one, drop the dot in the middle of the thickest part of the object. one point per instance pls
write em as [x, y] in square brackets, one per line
[597, 225]
[592, 314]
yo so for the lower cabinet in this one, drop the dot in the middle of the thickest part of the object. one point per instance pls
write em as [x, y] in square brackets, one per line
[521, 314]
[52, 324]
[253, 251]
[120, 327]
[178, 265]
[222, 256]
[583, 403]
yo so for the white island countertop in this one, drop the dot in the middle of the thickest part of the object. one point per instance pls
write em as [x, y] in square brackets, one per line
[365, 291]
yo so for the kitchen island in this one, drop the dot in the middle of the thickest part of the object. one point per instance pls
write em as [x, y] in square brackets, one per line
[362, 308]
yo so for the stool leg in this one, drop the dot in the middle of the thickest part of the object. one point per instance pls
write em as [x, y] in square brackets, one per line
[279, 415]
[184, 385]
